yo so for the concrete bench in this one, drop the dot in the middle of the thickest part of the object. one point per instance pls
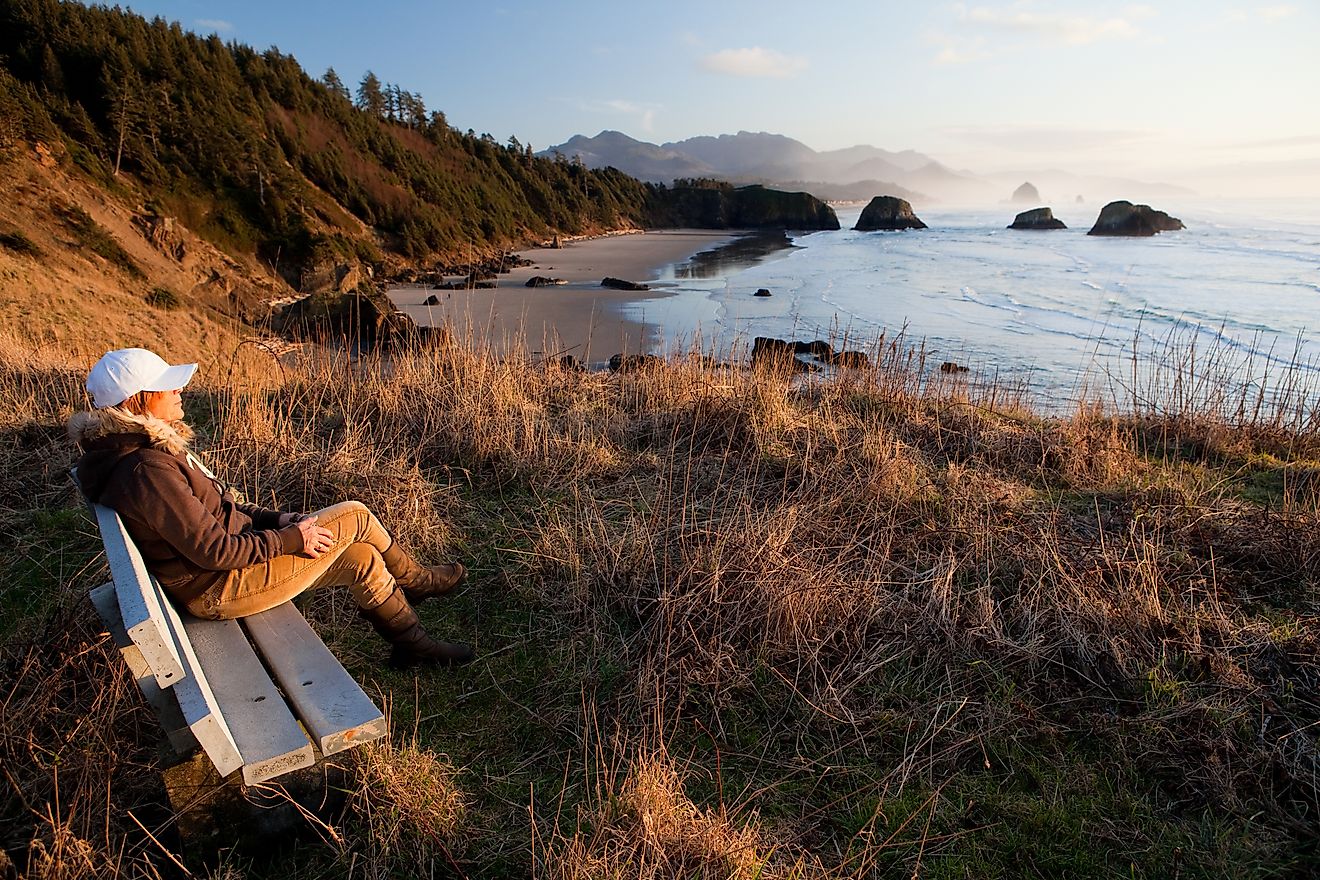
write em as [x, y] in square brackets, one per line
[262, 694]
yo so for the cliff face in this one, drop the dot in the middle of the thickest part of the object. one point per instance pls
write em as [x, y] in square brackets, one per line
[748, 207]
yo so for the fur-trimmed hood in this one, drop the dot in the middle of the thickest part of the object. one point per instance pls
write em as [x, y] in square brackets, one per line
[108, 436]
[87, 427]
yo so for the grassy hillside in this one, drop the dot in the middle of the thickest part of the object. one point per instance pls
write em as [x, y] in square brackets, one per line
[736, 625]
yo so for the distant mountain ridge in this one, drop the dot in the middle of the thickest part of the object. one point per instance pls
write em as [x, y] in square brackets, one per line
[776, 160]
[850, 174]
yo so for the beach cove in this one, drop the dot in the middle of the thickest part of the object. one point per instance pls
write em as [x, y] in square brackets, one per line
[579, 317]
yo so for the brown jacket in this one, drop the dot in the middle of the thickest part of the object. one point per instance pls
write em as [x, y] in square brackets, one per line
[189, 526]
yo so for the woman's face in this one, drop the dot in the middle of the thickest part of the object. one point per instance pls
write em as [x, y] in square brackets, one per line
[165, 405]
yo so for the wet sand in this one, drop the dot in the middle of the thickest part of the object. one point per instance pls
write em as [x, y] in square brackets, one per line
[579, 318]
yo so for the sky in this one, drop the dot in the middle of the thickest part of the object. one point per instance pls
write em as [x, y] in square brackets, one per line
[1222, 97]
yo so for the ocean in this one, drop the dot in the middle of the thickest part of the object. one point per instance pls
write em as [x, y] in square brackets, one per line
[1052, 311]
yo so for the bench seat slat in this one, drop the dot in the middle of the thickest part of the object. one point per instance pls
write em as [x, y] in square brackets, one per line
[264, 730]
[139, 607]
[330, 703]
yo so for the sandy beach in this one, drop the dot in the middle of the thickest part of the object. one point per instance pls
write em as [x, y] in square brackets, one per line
[579, 318]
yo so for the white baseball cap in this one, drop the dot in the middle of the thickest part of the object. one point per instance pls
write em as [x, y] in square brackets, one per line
[120, 374]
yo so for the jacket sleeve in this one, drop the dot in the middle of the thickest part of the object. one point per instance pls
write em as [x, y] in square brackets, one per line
[171, 509]
[262, 517]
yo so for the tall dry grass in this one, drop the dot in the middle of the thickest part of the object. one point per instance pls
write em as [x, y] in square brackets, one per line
[911, 576]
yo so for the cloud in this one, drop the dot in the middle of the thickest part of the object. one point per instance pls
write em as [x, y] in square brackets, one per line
[955, 50]
[1057, 28]
[754, 61]
[214, 24]
[642, 115]
[1276, 12]
[1301, 140]
[1036, 139]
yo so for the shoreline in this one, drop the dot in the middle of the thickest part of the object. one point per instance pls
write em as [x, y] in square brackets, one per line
[578, 318]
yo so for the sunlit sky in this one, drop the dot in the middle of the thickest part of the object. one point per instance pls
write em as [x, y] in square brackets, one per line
[1218, 96]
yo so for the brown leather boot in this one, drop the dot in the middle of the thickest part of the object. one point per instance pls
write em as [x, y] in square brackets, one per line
[397, 623]
[418, 583]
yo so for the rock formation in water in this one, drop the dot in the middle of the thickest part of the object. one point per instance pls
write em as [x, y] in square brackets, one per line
[1026, 194]
[1037, 218]
[888, 212]
[1125, 218]
[721, 206]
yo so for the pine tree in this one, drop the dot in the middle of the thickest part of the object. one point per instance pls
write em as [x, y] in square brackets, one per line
[336, 85]
[371, 96]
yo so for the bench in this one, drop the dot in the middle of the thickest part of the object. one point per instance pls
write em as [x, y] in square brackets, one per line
[262, 694]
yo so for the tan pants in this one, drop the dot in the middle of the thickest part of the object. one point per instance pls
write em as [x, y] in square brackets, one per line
[354, 561]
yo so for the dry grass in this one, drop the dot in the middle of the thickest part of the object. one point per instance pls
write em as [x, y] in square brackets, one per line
[643, 825]
[405, 811]
[882, 601]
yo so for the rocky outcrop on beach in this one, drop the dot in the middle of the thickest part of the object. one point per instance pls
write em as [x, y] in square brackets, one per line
[770, 352]
[888, 213]
[762, 291]
[631, 363]
[721, 206]
[1037, 218]
[544, 281]
[620, 284]
[1026, 194]
[1125, 218]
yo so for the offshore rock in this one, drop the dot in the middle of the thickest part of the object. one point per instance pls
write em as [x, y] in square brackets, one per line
[544, 281]
[1125, 218]
[1026, 194]
[1037, 218]
[887, 213]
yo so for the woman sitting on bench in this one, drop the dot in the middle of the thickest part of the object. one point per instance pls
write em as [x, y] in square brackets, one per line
[218, 557]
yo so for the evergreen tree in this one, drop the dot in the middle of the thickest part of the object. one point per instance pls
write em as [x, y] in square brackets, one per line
[332, 82]
[371, 96]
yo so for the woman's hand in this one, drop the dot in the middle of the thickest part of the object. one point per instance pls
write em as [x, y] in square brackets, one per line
[316, 540]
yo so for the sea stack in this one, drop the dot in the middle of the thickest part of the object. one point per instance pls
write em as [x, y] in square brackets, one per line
[1125, 218]
[888, 213]
[1037, 218]
[1026, 194]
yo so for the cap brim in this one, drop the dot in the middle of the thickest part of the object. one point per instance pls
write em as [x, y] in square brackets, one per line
[173, 378]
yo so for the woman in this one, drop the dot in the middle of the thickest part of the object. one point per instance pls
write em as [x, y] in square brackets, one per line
[219, 557]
